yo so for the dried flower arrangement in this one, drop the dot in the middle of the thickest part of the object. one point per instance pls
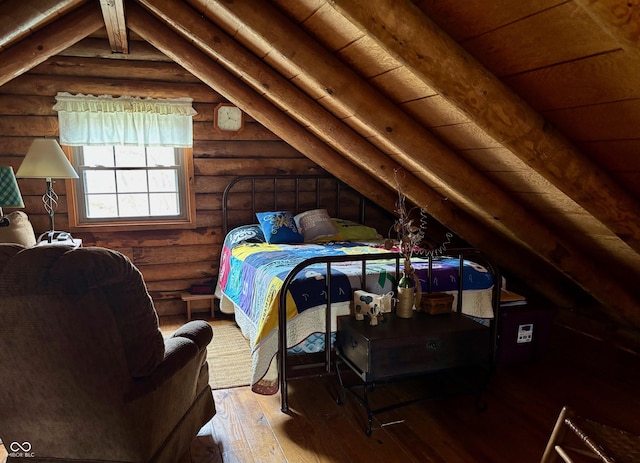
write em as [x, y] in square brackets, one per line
[409, 233]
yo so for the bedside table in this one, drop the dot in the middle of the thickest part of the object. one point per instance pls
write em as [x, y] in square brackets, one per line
[400, 348]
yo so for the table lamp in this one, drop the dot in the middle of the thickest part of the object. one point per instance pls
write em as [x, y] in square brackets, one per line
[45, 159]
[9, 193]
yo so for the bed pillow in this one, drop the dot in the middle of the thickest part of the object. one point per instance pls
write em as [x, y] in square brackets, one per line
[279, 227]
[19, 230]
[315, 224]
[353, 231]
[245, 234]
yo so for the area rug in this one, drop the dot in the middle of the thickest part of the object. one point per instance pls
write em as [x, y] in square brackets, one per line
[228, 355]
[229, 358]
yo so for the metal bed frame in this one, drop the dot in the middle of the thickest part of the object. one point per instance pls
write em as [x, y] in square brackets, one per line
[326, 363]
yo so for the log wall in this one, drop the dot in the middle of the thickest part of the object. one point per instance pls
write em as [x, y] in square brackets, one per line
[170, 260]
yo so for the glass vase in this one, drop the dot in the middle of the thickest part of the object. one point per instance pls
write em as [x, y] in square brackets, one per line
[406, 296]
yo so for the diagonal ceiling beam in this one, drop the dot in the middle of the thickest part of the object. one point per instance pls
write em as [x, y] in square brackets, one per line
[447, 67]
[232, 88]
[114, 21]
[21, 18]
[49, 41]
[276, 35]
[308, 113]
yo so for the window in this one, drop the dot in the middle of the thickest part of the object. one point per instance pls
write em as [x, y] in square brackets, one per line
[131, 187]
[134, 160]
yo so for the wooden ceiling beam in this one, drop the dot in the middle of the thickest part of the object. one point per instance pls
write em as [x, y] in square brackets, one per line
[409, 36]
[49, 41]
[232, 88]
[366, 157]
[20, 18]
[114, 20]
[267, 27]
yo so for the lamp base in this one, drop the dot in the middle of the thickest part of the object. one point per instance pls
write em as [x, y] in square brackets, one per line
[54, 236]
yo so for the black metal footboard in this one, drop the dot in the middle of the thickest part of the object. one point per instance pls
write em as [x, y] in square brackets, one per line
[283, 371]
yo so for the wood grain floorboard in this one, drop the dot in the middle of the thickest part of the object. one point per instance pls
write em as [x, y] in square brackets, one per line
[524, 400]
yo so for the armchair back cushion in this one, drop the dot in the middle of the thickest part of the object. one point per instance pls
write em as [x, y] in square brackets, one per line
[84, 372]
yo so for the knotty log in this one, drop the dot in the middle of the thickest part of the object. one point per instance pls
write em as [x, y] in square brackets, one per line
[19, 18]
[421, 151]
[435, 57]
[91, 47]
[84, 68]
[49, 85]
[261, 110]
[282, 126]
[48, 41]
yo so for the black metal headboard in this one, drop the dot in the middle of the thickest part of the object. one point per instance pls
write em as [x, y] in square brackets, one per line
[296, 193]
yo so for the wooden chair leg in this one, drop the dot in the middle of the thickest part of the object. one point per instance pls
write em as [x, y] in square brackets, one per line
[557, 436]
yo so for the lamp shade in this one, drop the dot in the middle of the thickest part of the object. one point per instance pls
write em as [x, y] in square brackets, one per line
[9, 191]
[45, 159]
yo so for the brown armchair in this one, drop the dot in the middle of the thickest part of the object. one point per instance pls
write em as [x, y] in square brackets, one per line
[85, 374]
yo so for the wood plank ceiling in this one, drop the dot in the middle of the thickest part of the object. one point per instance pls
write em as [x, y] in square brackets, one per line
[515, 124]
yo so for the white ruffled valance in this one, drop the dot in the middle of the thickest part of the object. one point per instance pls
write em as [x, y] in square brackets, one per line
[126, 120]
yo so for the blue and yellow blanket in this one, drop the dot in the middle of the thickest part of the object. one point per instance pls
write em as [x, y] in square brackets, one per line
[252, 273]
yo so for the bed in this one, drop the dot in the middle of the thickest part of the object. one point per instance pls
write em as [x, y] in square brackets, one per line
[285, 292]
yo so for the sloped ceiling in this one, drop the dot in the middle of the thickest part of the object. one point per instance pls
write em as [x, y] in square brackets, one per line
[514, 124]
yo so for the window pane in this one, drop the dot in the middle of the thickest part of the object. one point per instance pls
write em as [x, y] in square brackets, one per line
[133, 205]
[99, 181]
[161, 156]
[131, 185]
[99, 206]
[163, 180]
[130, 156]
[164, 203]
[131, 181]
[94, 156]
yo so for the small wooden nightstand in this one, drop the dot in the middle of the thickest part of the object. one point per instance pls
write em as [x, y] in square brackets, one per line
[189, 298]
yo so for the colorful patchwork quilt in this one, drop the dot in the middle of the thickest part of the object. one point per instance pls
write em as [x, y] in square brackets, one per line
[252, 273]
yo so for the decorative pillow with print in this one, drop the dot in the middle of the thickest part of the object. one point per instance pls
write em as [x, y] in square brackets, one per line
[315, 224]
[279, 227]
[244, 234]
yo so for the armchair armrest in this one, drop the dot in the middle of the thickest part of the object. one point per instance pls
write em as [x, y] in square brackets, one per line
[197, 331]
[184, 345]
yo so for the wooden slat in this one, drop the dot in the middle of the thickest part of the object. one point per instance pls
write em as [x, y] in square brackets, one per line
[578, 83]
[514, 48]
[480, 16]
[607, 121]
[619, 19]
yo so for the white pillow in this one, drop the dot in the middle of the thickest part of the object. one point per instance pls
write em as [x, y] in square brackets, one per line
[18, 231]
[315, 224]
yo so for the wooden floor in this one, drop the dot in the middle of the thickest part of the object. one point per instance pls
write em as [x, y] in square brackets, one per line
[523, 403]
